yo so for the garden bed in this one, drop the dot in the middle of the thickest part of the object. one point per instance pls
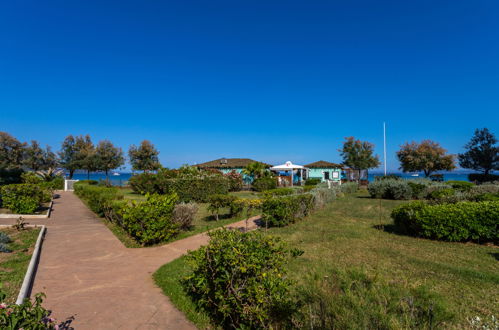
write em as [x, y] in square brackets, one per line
[13, 265]
[43, 212]
[353, 258]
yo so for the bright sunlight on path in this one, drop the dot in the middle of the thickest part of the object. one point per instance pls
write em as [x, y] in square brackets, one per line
[86, 272]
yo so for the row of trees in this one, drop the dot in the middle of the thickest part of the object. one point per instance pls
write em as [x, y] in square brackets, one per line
[482, 154]
[77, 153]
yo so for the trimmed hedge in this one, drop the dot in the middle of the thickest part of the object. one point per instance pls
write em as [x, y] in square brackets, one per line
[266, 183]
[187, 189]
[24, 198]
[279, 192]
[390, 189]
[463, 221]
[281, 211]
[312, 181]
[98, 198]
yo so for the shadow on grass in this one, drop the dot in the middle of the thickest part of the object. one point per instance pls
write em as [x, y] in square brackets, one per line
[495, 255]
[391, 228]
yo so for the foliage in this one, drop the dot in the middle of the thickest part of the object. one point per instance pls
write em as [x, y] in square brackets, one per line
[11, 151]
[481, 178]
[145, 157]
[4, 238]
[323, 196]
[359, 155]
[418, 188]
[28, 315]
[98, 198]
[31, 178]
[240, 280]
[450, 222]
[427, 156]
[10, 175]
[108, 157]
[441, 193]
[390, 189]
[144, 183]
[349, 187]
[23, 198]
[35, 158]
[387, 177]
[460, 185]
[150, 221]
[4, 248]
[256, 170]
[235, 181]
[219, 202]
[312, 181]
[278, 192]
[70, 155]
[183, 215]
[264, 183]
[358, 299]
[283, 210]
[482, 152]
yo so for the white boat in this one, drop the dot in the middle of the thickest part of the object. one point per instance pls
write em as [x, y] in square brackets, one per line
[415, 174]
[116, 174]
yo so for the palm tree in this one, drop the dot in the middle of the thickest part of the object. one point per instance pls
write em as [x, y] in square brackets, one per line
[255, 170]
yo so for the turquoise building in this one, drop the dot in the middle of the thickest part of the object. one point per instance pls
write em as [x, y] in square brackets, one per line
[227, 165]
[324, 170]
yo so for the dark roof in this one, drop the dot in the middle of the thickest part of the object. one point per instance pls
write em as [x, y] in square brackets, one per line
[228, 163]
[323, 164]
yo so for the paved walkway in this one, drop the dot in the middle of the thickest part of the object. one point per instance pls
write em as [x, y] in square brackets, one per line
[88, 274]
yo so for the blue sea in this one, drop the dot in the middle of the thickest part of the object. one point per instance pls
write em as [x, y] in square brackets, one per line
[123, 177]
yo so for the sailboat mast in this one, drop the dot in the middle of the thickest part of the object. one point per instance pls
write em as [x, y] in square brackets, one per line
[384, 145]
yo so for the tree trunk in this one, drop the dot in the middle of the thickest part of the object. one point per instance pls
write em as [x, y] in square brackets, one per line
[88, 174]
[486, 172]
[71, 173]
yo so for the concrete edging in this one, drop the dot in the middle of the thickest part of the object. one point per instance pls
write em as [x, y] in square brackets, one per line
[29, 216]
[30, 273]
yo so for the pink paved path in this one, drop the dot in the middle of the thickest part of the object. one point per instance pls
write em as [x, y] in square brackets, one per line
[86, 272]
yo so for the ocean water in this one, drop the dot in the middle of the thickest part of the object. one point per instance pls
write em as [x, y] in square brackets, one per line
[122, 179]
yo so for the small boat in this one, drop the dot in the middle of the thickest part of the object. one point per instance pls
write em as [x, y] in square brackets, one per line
[415, 174]
[116, 174]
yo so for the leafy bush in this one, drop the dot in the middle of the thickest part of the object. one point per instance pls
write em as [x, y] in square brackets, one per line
[279, 192]
[349, 187]
[460, 185]
[28, 315]
[312, 181]
[281, 211]
[487, 197]
[150, 221]
[24, 198]
[387, 177]
[441, 193]
[358, 299]
[144, 183]
[390, 189]
[4, 248]
[89, 182]
[219, 202]
[264, 183]
[240, 281]
[98, 198]
[485, 188]
[183, 214]
[10, 176]
[461, 221]
[418, 190]
[235, 181]
[481, 178]
[31, 177]
[323, 196]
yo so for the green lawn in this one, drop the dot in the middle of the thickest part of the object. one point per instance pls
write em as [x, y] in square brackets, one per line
[13, 265]
[353, 235]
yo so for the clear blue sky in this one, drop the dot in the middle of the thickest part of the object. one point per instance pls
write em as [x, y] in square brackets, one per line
[270, 80]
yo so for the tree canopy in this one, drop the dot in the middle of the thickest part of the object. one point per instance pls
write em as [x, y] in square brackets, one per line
[256, 170]
[427, 156]
[11, 151]
[145, 157]
[482, 153]
[358, 155]
[108, 157]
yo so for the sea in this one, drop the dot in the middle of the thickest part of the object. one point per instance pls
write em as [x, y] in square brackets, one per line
[123, 177]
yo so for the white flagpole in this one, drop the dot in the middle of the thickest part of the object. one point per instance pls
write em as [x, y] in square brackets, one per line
[384, 144]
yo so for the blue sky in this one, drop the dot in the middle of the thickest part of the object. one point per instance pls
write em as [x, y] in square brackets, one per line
[270, 80]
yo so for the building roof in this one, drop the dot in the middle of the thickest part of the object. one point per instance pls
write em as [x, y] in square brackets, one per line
[323, 164]
[228, 163]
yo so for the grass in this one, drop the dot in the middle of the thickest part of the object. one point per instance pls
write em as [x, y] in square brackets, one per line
[13, 265]
[353, 235]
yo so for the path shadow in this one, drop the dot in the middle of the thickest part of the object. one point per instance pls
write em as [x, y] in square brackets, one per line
[66, 325]
[390, 228]
[495, 255]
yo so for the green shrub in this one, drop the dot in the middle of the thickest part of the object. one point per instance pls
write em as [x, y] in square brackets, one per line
[144, 183]
[4, 238]
[487, 197]
[323, 196]
[485, 188]
[481, 178]
[390, 189]
[312, 181]
[24, 198]
[460, 185]
[89, 182]
[418, 190]
[240, 281]
[184, 214]
[265, 183]
[442, 193]
[279, 192]
[98, 198]
[4, 248]
[219, 202]
[235, 180]
[10, 176]
[283, 210]
[461, 221]
[387, 177]
[349, 187]
[31, 177]
[150, 221]
[28, 315]
[359, 299]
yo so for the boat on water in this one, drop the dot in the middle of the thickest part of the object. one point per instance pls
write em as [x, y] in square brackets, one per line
[116, 174]
[415, 174]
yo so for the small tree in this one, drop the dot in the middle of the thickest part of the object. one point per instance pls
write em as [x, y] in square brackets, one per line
[11, 151]
[34, 156]
[427, 156]
[255, 170]
[359, 155]
[145, 157]
[108, 157]
[86, 157]
[482, 152]
[67, 155]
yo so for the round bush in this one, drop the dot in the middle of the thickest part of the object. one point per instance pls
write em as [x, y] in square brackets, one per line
[262, 184]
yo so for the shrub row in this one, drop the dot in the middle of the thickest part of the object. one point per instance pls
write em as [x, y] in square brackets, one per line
[462, 221]
[28, 315]
[187, 188]
[265, 183]
[24, 198]
[283, 210]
